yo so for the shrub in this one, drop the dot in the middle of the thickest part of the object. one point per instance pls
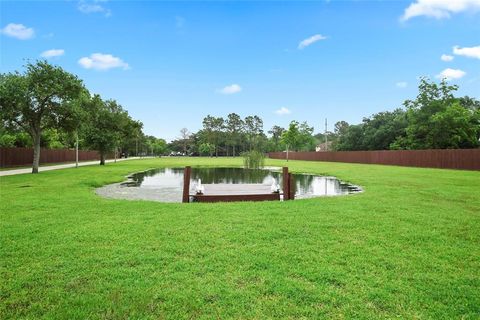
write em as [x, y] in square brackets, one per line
[253, 159]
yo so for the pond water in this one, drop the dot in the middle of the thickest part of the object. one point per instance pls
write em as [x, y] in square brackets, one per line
[166, 184]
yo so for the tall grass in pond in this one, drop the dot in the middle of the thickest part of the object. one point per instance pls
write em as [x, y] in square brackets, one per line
[253, 159]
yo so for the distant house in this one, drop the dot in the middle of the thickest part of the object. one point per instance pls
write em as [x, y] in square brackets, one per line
[324, 147]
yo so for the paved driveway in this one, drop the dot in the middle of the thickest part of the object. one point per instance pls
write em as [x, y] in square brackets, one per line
[56, 167]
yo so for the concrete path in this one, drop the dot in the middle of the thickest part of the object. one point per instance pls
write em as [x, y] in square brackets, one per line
[59, 166]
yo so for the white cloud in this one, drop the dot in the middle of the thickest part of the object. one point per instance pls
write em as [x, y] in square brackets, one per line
[231, 89]
[446, 57]
[306, 42]
[401, 84]
[100, 61]
[93, 7]
[282, 111]
[439, 8]
[52, 53]
[18, 30]
[472, 52]
[450, 74]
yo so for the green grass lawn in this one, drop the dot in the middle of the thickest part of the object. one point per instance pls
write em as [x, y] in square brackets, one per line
[407, 247]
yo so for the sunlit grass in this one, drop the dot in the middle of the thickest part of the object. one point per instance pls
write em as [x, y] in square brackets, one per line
[407, 247]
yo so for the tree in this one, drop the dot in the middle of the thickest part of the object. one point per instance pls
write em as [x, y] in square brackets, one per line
[253, 130]
[206, 149]
[7, 139]
[383, 128]
[185, 137]
[306, 141]
[352, 139]
[218, 126]
[456, 127]
[14, 137]
[435, 119]
[212, 129]
[156, 146]
[341, 127]
[469, 103]
[276, 133]
[133, 140]
[436, 109]
[39, 99]
[234, 125]
[432, 98]
[291, 136]
[109, 125]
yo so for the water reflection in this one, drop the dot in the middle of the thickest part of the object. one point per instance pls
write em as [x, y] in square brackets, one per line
[170, 181]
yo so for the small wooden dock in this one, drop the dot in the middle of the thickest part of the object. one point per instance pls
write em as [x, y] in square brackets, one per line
[238, 192]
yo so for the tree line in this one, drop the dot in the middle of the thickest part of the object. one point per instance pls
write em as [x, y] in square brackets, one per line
[435, 119]
[232, 135]
[47, 106]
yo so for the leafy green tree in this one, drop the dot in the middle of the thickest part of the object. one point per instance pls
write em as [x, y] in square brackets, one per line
[341, 127]
[351, 139]
[185, 138]
[432, 98]
[7, 140]
[207, 149]
[253, 129]
[306, 141]
[469, 103]
[133, 140]
[212, 131]
[14, 137]
[218, 130]
[436, 109]
[276, 139]
[383, 128]
[291, 136]
[109, 125]
[455, 127]
[156, 146]
[234, 125]
[435, 119]
[52, 139]
[39, 99]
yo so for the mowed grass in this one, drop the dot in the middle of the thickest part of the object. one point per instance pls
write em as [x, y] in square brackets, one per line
[407, 247]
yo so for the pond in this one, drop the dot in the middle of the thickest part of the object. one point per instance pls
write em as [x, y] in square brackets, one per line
[166, 184]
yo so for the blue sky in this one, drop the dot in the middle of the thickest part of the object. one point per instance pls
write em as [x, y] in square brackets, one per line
[172, 63]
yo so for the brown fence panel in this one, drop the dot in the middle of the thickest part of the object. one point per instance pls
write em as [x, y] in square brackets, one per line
[11, 157]
[467, 159]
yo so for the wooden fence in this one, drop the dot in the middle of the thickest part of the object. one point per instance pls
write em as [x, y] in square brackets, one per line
[467, 159]
[12, 157]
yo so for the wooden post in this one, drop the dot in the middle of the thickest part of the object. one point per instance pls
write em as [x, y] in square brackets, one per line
[286, 185]
[186, 184]
[291, 187]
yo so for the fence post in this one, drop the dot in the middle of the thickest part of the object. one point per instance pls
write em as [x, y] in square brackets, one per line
[186, 184]
[291, 187]
[286, 185]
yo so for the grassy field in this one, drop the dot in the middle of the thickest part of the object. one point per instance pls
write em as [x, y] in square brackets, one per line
[408, 247]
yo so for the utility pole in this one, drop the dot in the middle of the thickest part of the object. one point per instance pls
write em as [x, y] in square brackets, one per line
[326, 137]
